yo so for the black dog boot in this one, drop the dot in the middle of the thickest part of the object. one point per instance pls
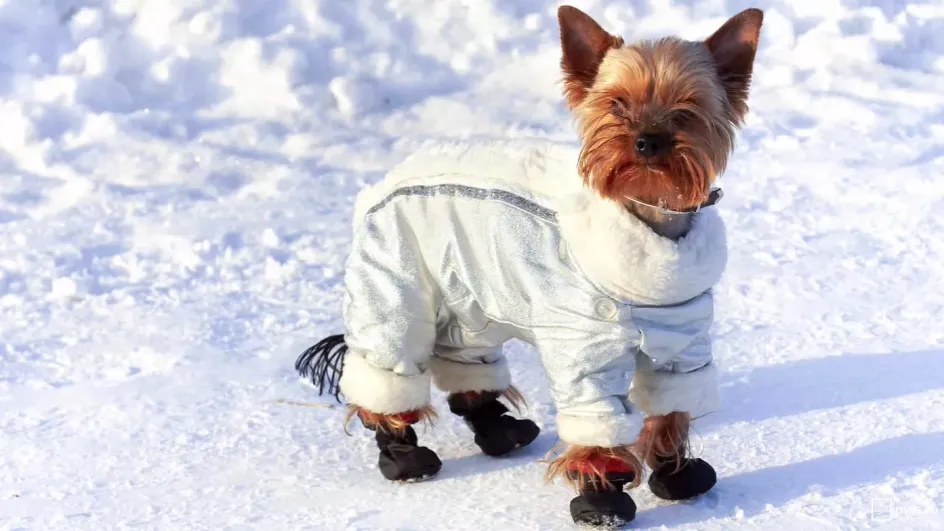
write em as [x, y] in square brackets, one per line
[495, 432]
[604, 506]
[402, 459]
[675, 478]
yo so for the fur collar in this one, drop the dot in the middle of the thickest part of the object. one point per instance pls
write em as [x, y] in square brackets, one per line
[624, 257]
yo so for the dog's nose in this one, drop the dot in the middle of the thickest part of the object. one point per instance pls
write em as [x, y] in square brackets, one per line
[652, 144]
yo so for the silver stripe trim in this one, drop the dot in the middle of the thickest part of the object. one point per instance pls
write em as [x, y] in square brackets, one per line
[470, 192]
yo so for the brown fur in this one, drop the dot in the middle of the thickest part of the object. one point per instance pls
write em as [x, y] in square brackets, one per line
[388, 421]
[511, 395]
[576, 455]
[514, 398]
[584, 44]
[696, 92]
[664, 436]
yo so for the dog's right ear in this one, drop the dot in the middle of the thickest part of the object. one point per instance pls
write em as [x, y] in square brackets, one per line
[733, 47]
[583, 43]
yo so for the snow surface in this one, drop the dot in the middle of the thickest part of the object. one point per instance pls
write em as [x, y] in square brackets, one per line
[176, 185]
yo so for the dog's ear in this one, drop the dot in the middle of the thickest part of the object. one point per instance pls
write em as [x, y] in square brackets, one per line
[733, 47]
[583, 43]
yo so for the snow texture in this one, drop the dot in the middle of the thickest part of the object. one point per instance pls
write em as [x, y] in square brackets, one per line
[176, 185]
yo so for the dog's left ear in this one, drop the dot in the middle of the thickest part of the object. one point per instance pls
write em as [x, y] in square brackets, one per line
[583, 43]
[733, 47]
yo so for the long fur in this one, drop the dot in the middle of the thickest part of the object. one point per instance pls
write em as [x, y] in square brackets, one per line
[664, 438]
[576, 456]
[665, 86]
[511, 395]
[694, 92]
[390, 422]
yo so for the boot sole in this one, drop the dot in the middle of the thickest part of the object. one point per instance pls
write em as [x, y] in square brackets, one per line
[419, 479]
[614, 510]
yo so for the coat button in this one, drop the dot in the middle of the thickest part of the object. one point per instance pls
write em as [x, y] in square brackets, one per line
[606, 308]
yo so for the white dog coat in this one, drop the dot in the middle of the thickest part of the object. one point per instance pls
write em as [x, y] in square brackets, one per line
[461, 248]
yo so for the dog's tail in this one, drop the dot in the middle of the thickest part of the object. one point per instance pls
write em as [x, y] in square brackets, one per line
[324, 363]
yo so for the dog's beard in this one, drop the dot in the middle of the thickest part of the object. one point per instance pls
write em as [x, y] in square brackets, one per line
[678, 180]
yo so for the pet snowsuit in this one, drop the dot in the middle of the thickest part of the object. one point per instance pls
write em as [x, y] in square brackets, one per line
[461, 248]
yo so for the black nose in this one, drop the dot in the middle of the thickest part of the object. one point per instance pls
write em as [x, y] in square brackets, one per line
[652, 144]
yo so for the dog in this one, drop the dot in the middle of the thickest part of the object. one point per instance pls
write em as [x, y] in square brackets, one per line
[602, 257]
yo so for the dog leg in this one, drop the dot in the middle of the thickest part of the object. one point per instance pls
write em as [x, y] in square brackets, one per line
[475, 379]
[675, 474]
[496, 433]
[401, 457]
[599, 475]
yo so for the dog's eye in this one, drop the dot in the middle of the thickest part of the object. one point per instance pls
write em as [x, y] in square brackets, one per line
[682, 118]
[620, 107]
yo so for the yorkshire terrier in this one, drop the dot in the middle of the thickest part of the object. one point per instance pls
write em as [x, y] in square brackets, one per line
[603, 258]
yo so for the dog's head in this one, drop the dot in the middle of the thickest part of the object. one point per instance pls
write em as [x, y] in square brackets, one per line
[657, 119]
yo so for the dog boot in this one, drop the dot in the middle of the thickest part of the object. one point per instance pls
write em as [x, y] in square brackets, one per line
[495, 432]
[681, 478]
[402, 459]
[601, 505]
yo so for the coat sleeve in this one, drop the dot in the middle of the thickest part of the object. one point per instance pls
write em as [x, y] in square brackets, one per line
[589, 374]
[674, 368]
[389, 309]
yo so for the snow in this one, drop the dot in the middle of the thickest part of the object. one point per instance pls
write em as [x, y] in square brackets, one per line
[176, 185]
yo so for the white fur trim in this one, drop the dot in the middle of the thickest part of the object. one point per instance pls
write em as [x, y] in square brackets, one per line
[595, 430]
[455, 377]
[380, 390]
[623, 255]
[659, 393]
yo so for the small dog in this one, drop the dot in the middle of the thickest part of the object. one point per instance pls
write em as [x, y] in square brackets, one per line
[603, 258]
